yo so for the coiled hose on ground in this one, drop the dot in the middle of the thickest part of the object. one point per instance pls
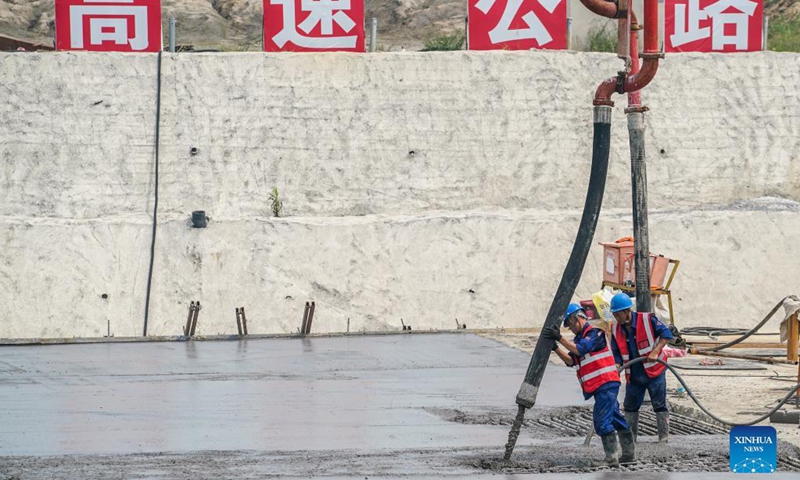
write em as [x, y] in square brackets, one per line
[702, 407]
[752, 331]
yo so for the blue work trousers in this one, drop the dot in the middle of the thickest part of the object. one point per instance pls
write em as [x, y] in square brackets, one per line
[657, 387]
[606, 415]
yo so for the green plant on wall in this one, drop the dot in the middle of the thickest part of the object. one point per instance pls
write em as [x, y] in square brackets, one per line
[784, 34]
[275, 202]
[600, 38]
[447, 42]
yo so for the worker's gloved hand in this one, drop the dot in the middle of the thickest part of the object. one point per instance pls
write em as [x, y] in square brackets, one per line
[553, 333]
[555, 346]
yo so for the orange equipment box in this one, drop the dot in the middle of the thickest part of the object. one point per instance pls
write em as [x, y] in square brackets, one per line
[615, 254]
[618, 264]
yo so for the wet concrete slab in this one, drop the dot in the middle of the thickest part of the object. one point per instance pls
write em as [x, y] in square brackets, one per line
[399, 406]
[367, 393]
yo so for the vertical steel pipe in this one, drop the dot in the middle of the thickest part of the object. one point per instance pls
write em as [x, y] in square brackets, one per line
[569, 33]
[373, 34]
[172, 23]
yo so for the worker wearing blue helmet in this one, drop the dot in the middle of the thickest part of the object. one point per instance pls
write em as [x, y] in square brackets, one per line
[597, 373]
[641, 335]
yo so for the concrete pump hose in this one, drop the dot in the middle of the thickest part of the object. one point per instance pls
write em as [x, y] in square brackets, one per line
[601, 146]
[704, 409]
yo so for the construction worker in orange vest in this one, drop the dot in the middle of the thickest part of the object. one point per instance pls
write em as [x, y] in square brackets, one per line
[597, 373]
[638, 335]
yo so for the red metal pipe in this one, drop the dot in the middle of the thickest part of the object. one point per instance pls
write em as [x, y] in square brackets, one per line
[602, 96]
[634, 98]
[630, 84]
[604, 8]
[643, 77]
[636, 79]
[651, 26]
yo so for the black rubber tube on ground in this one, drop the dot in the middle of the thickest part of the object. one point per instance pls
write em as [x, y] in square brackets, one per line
[155, 199]
[526, 397]
[703, 408]
[752, 330]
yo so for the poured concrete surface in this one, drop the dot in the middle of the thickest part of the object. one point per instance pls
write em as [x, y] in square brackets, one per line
[356, 406]
[309, 394]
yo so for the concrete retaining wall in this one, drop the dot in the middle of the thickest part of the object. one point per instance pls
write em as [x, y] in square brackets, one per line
[408, 180]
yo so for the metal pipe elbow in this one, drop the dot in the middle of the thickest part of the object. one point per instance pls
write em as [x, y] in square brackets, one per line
[602, 96]
[626, 84]
[643, 77]
[604, 8]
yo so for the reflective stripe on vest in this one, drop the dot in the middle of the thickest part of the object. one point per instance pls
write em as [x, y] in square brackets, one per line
[645, 343]
[596, 369]
[622, 345]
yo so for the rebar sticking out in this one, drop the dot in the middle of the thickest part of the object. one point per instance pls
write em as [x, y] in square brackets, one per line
[241, 321]
[308, 317]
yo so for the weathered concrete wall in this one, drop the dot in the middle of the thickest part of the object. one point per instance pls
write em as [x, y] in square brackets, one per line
[488, 201]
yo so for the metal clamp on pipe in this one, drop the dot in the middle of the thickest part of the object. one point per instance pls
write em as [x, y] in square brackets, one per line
[622, 8]
[621, 75]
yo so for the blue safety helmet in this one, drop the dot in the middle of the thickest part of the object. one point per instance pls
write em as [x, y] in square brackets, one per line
[620, 302]
[571, 309]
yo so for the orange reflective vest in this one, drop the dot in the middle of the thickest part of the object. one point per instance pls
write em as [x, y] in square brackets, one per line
[645, 342]
[596, 368]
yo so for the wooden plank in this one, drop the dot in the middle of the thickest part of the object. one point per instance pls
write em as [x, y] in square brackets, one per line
[794, 335]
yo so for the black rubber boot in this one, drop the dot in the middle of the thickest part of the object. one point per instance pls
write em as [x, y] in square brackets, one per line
[633, 421]
[662, 423]
[628, 446]
[611, 449]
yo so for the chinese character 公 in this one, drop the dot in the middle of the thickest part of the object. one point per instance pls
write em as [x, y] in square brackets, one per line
[502, 32]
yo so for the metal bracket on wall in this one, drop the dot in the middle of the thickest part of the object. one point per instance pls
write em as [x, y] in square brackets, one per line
[241, 321]
[308, 317]
[191, 320]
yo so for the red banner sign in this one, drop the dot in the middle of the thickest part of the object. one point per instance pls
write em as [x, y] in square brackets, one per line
[517, 24]
[313, 25]
[713, 25]
[108, 25]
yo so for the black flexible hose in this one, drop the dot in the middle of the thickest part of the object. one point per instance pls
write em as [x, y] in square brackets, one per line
[155, 200]
[718, 332]
[580, 249]
[528, 391]
[703, 408]
[752, 330]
